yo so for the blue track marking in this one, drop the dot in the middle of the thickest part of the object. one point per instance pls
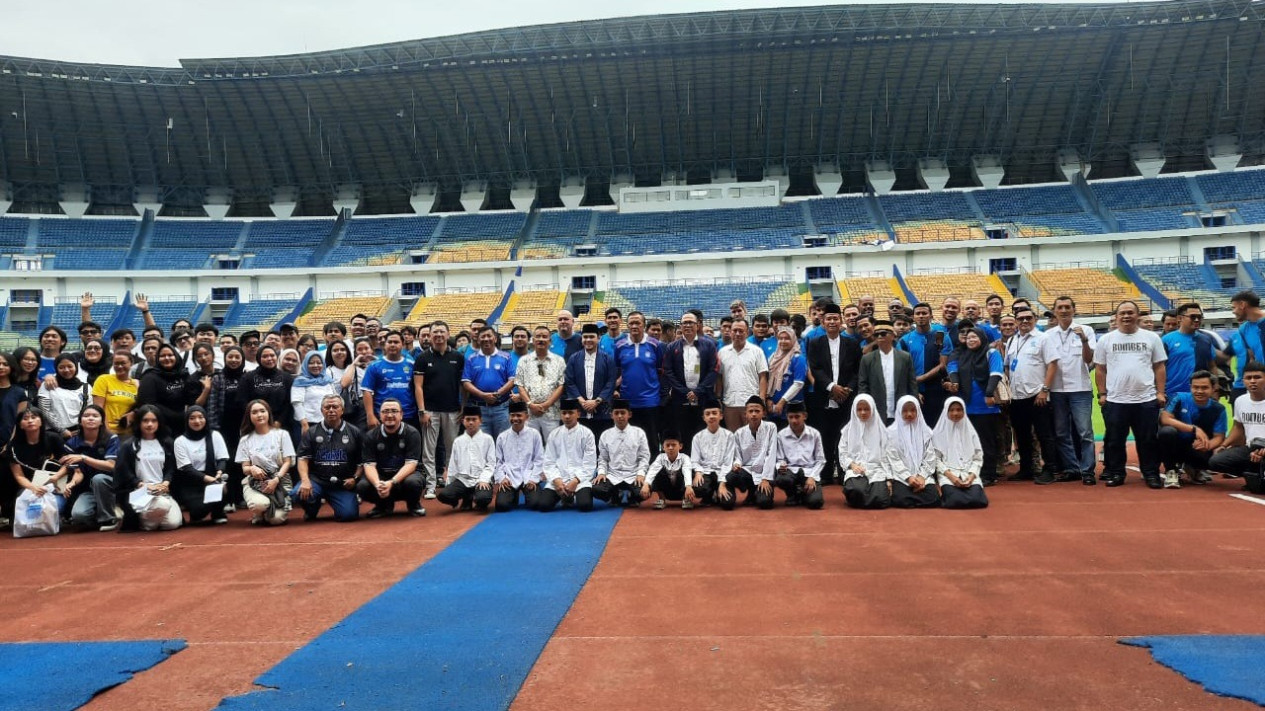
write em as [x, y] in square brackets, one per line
[66, 675]
[1225, 665]
[462, 631]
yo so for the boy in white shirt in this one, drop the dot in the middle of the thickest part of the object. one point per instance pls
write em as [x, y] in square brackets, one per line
[570, 458]
[800, 459]
[672, 476]
[1240, 454]
[623, 453]
[519, 461]
[713, 453]
[754, 467]
[470, 466]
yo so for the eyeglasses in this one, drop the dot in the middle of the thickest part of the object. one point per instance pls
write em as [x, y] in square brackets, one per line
[1195, 317]
[1023, 318]
[93, 349]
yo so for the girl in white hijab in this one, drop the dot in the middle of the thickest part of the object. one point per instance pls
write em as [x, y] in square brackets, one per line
[960, 458]
[867, 458]
[911, 438]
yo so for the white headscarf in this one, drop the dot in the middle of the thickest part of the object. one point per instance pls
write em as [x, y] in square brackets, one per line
[864, 441]
[910, 440]
[956, 442]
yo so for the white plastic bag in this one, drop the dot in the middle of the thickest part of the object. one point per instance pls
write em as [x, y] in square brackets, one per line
[36, 515]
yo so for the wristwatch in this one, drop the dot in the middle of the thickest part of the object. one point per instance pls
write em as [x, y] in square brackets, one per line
[1045, 388]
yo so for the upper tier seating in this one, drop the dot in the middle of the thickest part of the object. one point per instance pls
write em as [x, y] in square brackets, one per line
[533, 308]
[935, 288]
[341, 309]
[1184, 281]
[1096, 291]
[381, 240]
[13, 232]
[670, 300]
[1040, 211]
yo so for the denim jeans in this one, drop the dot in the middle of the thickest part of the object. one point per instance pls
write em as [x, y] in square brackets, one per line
[1074, 430]
[496, 419]
[342, 501]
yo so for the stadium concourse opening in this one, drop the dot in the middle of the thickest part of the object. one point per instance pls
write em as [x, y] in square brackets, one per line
[872, 356]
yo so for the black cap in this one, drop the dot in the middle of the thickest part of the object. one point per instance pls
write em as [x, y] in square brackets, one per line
[252, 333]
[669, 435]
[471, 411]
[755, 400]
[570, 404]
[831, 309]
[518, 406]
[590, 328]
[795, 407]
[287, 326]
[620, 404]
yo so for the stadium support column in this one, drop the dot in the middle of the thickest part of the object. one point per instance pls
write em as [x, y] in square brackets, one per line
[1070, 163]
[149, 197]
[346, 197]
[880, 176]
[778, 173]
[571, 192]
[74, 199]
[619, 181]
[522, 195]
[988, 170]
[472, 196]
[217, 202]
[285, 200]
[933, 174]
[6, 197]
[423, 198]
[1223, 152]
[829, 179]
[1148, 159]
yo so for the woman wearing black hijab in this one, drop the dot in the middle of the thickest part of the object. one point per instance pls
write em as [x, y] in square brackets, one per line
[224, 413]
[95, 360]
[270, 384]
[201, 460]
[168, 387]
[974, 372]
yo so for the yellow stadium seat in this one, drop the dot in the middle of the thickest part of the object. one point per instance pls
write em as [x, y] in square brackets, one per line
[533, 308]
[1096, 291]
[934, 288]
[342, 309]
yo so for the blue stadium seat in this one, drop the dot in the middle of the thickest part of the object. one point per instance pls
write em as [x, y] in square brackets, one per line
[257, 312]
[87, 233]
[918, 206]
[13, 232]
[1149, 192]
[713, 299]
[164, 312]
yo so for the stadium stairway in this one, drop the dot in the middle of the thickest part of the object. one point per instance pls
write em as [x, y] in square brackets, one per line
[1161, 301]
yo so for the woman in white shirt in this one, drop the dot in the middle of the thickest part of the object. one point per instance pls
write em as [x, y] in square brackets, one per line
[867, 458]
[146, 464]
[63, 403]
[309, 388]
[266, 456]
[911, 438]
[201, 461]
[960, 458]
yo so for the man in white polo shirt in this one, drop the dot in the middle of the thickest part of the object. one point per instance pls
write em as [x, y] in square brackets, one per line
[1131, 377]
[1241, 454]
[1032, 362]
[1072, 393]
[744, 372]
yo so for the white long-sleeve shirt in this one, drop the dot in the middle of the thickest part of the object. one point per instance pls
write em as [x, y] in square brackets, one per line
[662, 464]
[623, 455]
[887, 465]
[519, 457]
[802, 451]
[571, 453]
[473, 458]
[714, 452]
[757, 452]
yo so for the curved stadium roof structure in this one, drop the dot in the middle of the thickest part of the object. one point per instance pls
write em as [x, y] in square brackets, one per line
[689, 93]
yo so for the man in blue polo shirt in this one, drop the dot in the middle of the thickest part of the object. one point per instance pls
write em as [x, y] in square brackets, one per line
[1189, 349]
[389, 376]
[1192, 427]
[924, 344]
[565, 341]
[488, 379]
[638, 358]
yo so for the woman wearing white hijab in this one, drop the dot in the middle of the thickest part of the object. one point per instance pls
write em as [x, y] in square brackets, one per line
[960, 458]
[867, 458]
[911, 438]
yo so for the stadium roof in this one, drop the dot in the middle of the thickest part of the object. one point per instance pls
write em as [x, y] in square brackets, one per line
[738, 90]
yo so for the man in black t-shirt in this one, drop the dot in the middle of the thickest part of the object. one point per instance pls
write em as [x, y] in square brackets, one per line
[391, 454]
[329, 464]
[437, 389]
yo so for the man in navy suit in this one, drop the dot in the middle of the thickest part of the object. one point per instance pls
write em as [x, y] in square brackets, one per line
[689, 368]
[590, 379]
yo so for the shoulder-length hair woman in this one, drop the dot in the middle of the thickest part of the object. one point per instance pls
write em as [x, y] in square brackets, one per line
[266, 454]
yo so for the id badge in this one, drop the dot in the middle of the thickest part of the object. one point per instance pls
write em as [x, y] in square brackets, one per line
[697, 369]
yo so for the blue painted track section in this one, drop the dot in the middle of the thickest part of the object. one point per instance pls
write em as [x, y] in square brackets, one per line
[460, 632]
[65, 675]
[1225, 665]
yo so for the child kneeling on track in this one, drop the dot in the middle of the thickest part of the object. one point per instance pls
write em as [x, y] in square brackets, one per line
[623, 454]
[756, 463]
[800, 460]
[470, 465]
[570, 458]
[672, 477]
[866, 458]
[519, 461]
[913, 486]
[713, 453]
[960, 458]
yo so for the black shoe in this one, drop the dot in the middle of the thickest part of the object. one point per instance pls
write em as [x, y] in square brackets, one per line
[1043, 478]
[793, 500]
[1113, 481]
[419, 512]
[1068, 476]
[467, 504]
[309, 515]
[991, 481]
[1025, 476]
[1153, 482]
[376, 512]
[1088, 479]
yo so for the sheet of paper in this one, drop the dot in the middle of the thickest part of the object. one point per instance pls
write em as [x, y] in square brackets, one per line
[213, 494]
[139, 498]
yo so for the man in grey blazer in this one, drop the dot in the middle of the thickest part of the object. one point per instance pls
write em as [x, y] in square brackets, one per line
[887, 373]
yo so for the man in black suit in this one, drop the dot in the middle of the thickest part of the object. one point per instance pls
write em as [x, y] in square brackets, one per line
[882, 363]
[834, 360]
[590, 380]
[689, 369]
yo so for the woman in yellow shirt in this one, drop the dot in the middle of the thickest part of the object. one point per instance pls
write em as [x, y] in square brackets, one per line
[116, 394]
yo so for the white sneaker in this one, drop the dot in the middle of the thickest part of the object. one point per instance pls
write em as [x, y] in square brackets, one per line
[230, 508]
[430, 494]
[687, 504]
[1171, 480]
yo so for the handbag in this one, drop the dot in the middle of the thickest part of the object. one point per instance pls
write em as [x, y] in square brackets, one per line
[1002, 395]
[36, 515]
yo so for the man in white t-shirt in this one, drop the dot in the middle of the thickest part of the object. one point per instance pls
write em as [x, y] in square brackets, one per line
[1239, 455]
[1131, 376]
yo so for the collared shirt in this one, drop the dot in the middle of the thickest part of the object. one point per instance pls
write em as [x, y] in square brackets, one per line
[1026, 361]
[473, 458]
[802, 451]
[590, 375]
[488, 373]
[887, 361]
[833, 345]
[441, 379]
[741, 370]
[623, 455]
[519, 456]
[333, 455]
[639, 365]
[692, 363]
[391, 379]
[680, 466]
[388, 452]
[714, 452]
[570, 453]
[1073, 372]
[757, 452]
[540, 377]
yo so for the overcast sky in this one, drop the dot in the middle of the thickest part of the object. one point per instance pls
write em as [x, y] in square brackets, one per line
[149, 33]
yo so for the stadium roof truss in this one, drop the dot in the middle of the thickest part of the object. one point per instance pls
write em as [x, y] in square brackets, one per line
[801, 86]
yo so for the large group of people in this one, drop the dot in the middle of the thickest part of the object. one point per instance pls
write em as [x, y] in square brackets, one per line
[920, 406]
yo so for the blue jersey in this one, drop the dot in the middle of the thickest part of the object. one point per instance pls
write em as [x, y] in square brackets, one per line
[639, 365]
[768, 345]
[921, 347]
[1236, 348]
[607, 344]
[796, 371]
[1250, 332]
[488, 373]
[1210, 418]
[564, 347]
[48, 366]
[1186, 354]
[978, 404]
[391, 380]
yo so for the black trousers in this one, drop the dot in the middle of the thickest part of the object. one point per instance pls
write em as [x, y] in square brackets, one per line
[1144, 420]
[409, 491]
[547, 499]
[861, 493]
[829, 422]
[597, 426]
[933, 403]
[647, 418]
[792, 482]
[507, 499]
[986, 427]
[688, 420]
[741, 480]
[671, 486]
[904, 497]
[1027, 419]
[1177, 448]
[191, 503]
[1238, 460]
[611, 493]
[457, 493]
[972, 497]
